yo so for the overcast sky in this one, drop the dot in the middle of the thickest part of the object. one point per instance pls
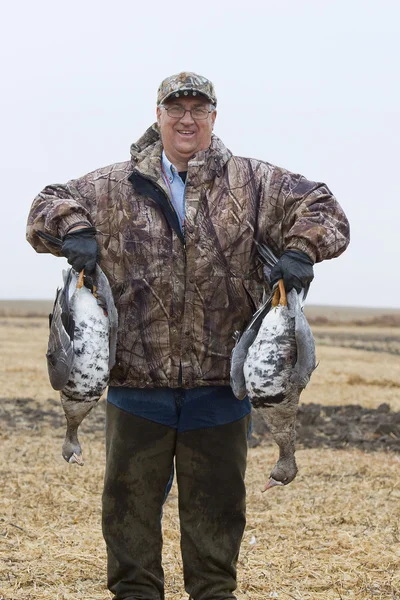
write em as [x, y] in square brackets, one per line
[309, 85]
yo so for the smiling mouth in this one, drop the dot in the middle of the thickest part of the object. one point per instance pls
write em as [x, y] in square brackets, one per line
[185, 133]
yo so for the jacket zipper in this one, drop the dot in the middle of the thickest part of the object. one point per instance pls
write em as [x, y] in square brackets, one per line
[172, 211]
[183, 239]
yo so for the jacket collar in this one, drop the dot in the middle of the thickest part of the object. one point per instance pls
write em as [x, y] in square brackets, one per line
[202, 168]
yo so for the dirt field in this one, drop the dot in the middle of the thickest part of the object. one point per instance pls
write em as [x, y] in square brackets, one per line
[332, 534]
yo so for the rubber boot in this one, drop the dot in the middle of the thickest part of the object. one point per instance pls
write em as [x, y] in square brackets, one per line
[210, 469]
[138, 467]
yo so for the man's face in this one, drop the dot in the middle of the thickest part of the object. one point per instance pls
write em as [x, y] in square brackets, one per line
[182, 137]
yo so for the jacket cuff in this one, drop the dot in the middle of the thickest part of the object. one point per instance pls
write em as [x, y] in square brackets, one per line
[304, 246]
[71, 221]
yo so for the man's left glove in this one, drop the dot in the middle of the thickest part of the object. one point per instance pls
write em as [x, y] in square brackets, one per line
[81, 250]
[296, 270]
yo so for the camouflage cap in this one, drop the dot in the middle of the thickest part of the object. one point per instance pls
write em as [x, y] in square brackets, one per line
[186, 84]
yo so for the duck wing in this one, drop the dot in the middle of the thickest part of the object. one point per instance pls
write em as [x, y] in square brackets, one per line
[305, 343]
[106, 300]
[60, 349]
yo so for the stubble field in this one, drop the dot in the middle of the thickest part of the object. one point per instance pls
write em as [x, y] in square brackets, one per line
[333, 534]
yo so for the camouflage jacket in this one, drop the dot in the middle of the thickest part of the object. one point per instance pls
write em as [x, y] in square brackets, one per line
[181, 298]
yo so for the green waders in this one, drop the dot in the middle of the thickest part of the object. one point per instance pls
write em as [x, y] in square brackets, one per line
[210, 469]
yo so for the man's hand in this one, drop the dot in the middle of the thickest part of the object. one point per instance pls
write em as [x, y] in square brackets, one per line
[80, 248]
[296, 270]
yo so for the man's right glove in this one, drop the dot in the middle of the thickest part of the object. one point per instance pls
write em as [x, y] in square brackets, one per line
[296, 270]
[81, 250]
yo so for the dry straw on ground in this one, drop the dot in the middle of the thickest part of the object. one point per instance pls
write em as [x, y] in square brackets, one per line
[332, 534]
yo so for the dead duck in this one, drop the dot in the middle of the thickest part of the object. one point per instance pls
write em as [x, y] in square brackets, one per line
[272, 362]
[81, 350]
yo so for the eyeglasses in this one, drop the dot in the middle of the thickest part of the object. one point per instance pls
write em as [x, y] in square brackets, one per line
[177, 112]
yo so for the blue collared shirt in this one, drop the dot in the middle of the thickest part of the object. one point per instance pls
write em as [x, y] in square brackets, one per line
[182, 409]
[176, 188]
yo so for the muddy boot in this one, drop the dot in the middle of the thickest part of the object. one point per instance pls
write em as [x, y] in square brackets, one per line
[210, 468]
[138, 467]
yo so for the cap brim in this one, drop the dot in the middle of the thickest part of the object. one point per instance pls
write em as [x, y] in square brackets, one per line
[191, 92]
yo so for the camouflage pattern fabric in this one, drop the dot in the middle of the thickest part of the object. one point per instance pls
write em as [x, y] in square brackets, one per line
[184, 84]
[180, 301]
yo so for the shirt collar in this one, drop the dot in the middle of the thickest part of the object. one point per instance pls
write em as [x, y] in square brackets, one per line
[168, 167]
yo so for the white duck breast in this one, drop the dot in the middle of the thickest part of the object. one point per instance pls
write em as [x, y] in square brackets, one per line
[271, 358]
[89, 373]
[81, 374]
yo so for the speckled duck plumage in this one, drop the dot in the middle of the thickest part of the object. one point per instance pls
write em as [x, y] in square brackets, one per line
[272, 362]
[81, 351]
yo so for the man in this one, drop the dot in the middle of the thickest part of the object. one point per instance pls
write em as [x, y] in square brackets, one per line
[174, 229]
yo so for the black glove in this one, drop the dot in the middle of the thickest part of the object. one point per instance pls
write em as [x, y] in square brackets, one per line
[296, 270]
[81, 250]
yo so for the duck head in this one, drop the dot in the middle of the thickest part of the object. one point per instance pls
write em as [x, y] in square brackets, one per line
[72, 452]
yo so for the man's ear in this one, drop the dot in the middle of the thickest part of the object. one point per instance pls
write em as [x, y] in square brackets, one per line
[158, 114]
